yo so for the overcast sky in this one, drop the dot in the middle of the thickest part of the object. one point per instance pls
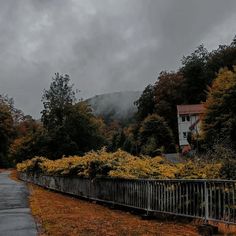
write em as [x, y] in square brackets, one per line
[104, 45]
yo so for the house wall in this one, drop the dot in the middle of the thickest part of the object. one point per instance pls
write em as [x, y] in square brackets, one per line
[183, 127]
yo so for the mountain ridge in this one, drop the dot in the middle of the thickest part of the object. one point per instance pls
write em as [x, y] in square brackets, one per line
[115, 106]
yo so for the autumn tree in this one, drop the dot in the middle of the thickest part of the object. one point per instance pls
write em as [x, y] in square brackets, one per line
[11, 118]
[6, 132]
[25, 144]
[126, 138]
[186, 86]
[219, 123]
[110, 129]
[17, 114]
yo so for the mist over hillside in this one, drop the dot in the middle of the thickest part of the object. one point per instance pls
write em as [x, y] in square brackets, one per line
[115, 106]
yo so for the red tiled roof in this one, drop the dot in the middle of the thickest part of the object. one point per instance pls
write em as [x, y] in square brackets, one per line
[190, 109]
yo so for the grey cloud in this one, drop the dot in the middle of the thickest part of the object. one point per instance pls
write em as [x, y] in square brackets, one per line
[105, 45]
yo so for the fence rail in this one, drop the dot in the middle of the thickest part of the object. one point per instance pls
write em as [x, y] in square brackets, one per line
[205, 199]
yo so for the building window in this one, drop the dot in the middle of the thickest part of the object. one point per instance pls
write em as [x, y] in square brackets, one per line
[184, 134]
[185, 118]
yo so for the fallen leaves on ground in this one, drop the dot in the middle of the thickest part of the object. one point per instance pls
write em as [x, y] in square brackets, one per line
[14, 175]
[61, 215]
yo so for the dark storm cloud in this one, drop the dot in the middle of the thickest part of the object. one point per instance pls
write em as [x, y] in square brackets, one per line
[105, 45]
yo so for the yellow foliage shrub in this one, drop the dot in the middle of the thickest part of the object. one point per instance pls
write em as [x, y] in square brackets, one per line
[31, 165]
[199, 170]
[119, 164]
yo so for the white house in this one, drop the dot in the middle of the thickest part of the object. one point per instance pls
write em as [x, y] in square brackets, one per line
[189, 120]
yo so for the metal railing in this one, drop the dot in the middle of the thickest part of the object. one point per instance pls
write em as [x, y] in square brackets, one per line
[204, 199]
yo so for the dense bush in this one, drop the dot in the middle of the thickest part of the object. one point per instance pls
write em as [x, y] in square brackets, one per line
[121, 164]
[228, 170]
[101, 163]
[199, 170]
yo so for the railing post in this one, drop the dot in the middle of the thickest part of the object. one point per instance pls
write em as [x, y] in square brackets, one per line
[114, 191]
[206, 202]
[90, 188]
[148, 197]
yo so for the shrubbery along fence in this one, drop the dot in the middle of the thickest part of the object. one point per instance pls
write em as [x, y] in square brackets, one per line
[205, 199]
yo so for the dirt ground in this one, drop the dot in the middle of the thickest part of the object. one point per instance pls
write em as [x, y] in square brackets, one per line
[63, 215]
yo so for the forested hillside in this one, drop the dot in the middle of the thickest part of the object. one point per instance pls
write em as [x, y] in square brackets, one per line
[115, 106]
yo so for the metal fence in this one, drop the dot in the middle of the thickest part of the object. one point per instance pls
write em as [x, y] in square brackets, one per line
[205, 199]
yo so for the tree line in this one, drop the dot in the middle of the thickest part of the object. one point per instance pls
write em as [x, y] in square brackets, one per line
[204, 77]
[69, 127]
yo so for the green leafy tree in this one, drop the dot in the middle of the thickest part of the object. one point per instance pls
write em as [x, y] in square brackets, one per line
[131, 143]
[224, 56]
[71, 127]
[126, 138]
[219, 122]
[193, 70]
[145, 103]
[155, 135]
[201, 68]
[83, 128]
[167, 95]
[117, 141]
[56, 101]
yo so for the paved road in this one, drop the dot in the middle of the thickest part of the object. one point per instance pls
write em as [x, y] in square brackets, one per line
[15, 216]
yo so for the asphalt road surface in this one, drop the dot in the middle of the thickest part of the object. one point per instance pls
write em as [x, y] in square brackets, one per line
[15, 215]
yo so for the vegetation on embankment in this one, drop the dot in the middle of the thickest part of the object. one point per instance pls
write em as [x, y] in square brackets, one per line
[122, 165]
